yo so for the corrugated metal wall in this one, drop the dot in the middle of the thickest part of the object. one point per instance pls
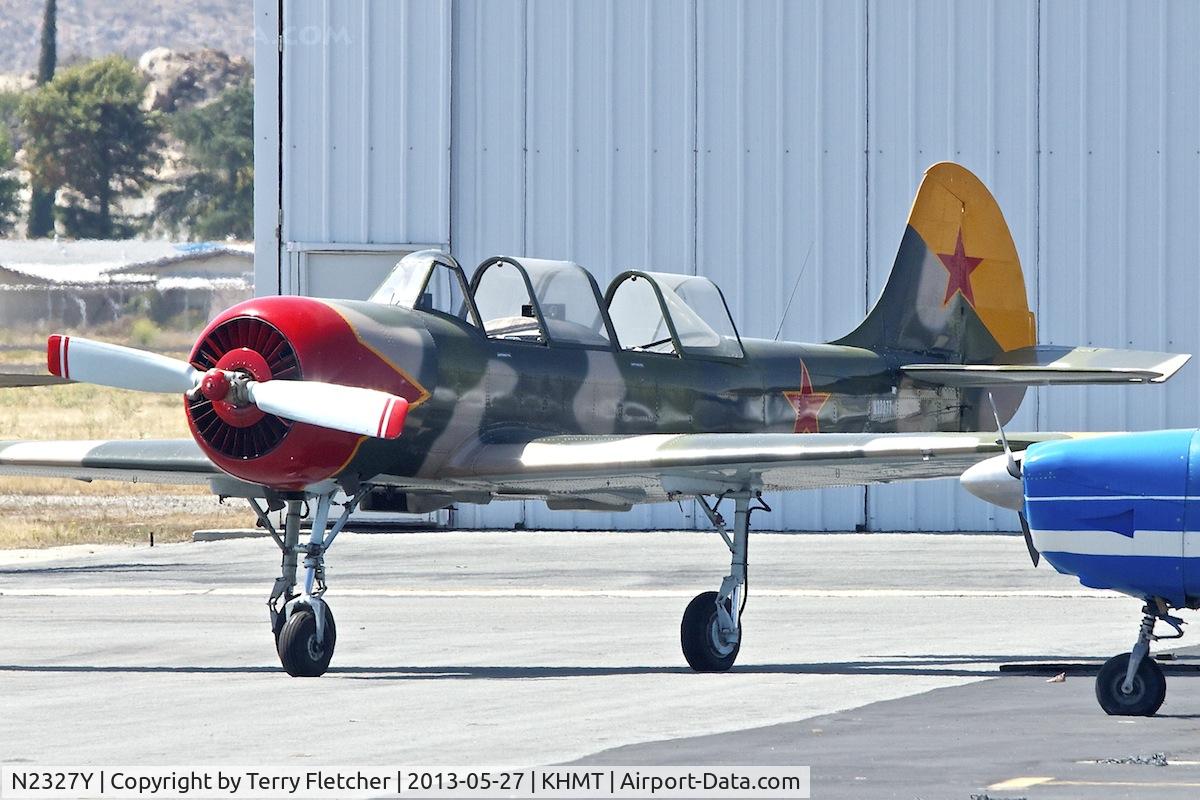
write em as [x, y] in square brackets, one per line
[366, 129]
[731, 139]
[950, 81]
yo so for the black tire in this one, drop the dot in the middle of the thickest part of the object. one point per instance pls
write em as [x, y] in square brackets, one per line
[697, 635]
[299, 652]
[1149, 687]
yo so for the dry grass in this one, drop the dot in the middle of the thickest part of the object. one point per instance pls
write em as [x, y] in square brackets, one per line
[52, 528]
[77, 411]
[176, 335]
[23, 356]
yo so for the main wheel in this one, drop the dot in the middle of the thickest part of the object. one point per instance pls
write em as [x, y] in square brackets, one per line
[299, 652]
[1149, 687]
[700, 635]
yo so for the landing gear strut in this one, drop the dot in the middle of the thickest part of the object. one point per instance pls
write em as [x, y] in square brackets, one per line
[711, 631]
[1132, 684]
[302, 622]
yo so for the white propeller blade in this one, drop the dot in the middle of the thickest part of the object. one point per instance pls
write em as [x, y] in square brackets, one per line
[120, 367]
[344, 408]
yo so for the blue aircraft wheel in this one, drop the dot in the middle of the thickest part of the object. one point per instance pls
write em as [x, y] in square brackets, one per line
[1149, 687]
[699, 634]
[301, 655]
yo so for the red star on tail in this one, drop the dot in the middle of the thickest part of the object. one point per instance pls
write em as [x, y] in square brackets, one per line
[807, 404]
[960, 266]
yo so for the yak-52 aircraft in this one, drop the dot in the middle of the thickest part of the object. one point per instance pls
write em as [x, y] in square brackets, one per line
[529, 383]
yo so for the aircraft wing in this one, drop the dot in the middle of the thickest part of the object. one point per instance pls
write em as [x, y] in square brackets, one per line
[135, 460]
[16, 380]
[622, 470]
[601, 472]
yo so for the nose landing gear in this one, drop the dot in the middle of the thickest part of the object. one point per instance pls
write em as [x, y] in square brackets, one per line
[1131, 684]
[302, 622]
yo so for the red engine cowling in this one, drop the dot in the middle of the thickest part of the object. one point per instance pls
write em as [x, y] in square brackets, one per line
[284, 338]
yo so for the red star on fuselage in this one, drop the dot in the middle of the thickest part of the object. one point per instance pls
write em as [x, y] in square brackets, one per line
[960, 266]
[807, 404]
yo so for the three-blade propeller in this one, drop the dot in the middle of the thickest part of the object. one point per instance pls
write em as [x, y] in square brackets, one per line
[366, 412]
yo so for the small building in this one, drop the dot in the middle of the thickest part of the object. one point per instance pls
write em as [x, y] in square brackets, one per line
[77, 284]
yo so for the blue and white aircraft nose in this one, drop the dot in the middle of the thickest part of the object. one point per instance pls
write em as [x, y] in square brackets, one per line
[1113, 510]
[992, 482]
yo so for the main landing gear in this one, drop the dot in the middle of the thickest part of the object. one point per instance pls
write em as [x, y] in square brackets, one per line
[1132, 684]
[305, 633]
[711, 631]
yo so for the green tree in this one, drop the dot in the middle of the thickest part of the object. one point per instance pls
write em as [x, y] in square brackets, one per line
[216, 198]
[41, 200]
[48, 57]
[10, 185]
[86, 131]
[10, 117]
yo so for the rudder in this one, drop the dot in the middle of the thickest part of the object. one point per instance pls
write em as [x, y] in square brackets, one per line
[955, 291]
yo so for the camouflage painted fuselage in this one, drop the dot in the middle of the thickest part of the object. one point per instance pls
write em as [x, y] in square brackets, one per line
[484, 390]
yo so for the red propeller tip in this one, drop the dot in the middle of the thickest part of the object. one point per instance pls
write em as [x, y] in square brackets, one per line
[56, 355]
[391, 421]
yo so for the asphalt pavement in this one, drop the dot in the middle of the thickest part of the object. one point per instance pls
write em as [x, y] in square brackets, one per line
[873, 658]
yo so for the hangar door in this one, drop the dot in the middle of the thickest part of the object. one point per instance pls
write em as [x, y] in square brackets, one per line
[364, 140]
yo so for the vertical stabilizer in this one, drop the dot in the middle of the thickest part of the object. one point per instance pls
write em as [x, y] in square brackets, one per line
[956, 291]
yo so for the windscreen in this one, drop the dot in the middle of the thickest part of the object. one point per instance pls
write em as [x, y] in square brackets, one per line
[422, 281]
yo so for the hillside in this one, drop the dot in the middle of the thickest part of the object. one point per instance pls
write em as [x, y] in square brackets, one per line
[90, 28]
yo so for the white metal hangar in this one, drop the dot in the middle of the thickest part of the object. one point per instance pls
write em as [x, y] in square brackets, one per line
[731, 139]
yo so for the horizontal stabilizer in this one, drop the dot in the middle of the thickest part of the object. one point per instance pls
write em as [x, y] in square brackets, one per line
[1049, 365]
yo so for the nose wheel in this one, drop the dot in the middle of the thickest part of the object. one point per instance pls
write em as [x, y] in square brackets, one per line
[1145, 695]
[301, 652]
[301, 621]
[1132, 684]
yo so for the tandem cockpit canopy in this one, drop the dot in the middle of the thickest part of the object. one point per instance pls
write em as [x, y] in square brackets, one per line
[559, 303]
